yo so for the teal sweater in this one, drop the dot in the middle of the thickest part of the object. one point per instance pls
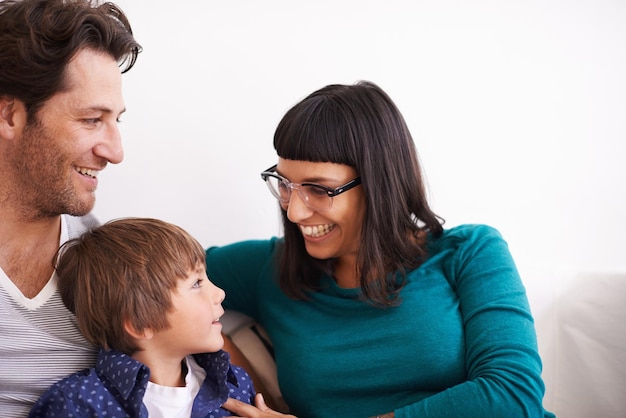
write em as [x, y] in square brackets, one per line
[462, 342]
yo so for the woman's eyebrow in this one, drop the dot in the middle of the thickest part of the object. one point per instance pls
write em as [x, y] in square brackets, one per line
[318, 179]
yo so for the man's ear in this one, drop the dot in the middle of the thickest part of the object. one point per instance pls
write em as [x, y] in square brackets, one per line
[12, 117]
[144, 334]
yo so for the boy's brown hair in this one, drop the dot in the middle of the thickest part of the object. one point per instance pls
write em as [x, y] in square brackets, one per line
[123, 272]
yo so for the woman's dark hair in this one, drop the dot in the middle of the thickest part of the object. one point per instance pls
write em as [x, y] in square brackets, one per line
[360, 126]
[38, 38]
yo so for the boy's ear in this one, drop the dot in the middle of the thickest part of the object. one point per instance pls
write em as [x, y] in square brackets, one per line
[12, 117]
[144, 334]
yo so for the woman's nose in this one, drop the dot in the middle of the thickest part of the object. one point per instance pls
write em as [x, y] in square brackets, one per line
[297, 210]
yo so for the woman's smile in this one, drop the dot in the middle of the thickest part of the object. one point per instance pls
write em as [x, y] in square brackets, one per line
[316, 231]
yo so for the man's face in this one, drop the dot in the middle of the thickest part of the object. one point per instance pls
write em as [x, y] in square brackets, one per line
[72, 138]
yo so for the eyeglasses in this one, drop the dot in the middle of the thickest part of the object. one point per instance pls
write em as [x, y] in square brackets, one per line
[315, 196]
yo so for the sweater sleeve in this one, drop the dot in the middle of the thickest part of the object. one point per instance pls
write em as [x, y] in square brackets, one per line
[502, 360]
[239, 269]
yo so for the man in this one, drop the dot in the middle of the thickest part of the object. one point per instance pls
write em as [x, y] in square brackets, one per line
[60, 101]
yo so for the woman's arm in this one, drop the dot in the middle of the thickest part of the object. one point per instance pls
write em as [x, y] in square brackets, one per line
[502, 360]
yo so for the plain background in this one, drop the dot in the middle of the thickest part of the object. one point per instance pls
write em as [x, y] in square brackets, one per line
[517, 108]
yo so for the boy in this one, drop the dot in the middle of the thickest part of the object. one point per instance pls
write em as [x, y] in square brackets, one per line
[139, 290]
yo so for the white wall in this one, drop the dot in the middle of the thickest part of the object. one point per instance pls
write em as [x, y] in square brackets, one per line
[517, 108]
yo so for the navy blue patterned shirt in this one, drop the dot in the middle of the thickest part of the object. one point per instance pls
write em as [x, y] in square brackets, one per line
[117, 385]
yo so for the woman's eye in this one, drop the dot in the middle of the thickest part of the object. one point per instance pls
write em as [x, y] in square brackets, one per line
[317, 191]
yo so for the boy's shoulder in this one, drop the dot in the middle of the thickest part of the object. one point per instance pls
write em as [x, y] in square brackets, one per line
[68, 394]
[77, 380]
[76, 385]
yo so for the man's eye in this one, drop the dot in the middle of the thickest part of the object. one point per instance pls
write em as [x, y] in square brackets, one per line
[92, 121]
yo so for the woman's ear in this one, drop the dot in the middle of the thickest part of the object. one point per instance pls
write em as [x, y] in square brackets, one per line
[12, 117]
[144, 334]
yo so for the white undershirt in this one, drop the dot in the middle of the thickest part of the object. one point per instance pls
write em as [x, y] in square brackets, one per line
[175, 402]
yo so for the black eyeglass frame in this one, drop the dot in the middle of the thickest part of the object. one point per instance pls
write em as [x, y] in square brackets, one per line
[271, 172]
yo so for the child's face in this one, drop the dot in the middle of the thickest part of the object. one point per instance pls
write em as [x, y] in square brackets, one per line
[194, 320]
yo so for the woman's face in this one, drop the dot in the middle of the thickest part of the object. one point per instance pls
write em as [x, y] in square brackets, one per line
[334, 233]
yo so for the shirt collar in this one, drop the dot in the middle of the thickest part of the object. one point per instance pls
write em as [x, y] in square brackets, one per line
[122, 371]
[127, 374]
[217, 364]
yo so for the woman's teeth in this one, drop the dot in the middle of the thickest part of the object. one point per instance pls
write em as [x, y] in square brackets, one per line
[317, 230]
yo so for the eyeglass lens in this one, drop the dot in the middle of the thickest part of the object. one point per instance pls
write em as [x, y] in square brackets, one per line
[314, 197]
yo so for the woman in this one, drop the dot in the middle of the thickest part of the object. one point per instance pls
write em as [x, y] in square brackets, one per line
[373, 308]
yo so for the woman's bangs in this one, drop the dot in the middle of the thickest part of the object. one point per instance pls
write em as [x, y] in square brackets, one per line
[314, 133]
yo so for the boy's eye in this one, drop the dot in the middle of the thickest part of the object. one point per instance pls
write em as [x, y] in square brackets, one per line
[198, 283]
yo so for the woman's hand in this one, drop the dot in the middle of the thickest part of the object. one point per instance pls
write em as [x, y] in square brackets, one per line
[261, 410]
